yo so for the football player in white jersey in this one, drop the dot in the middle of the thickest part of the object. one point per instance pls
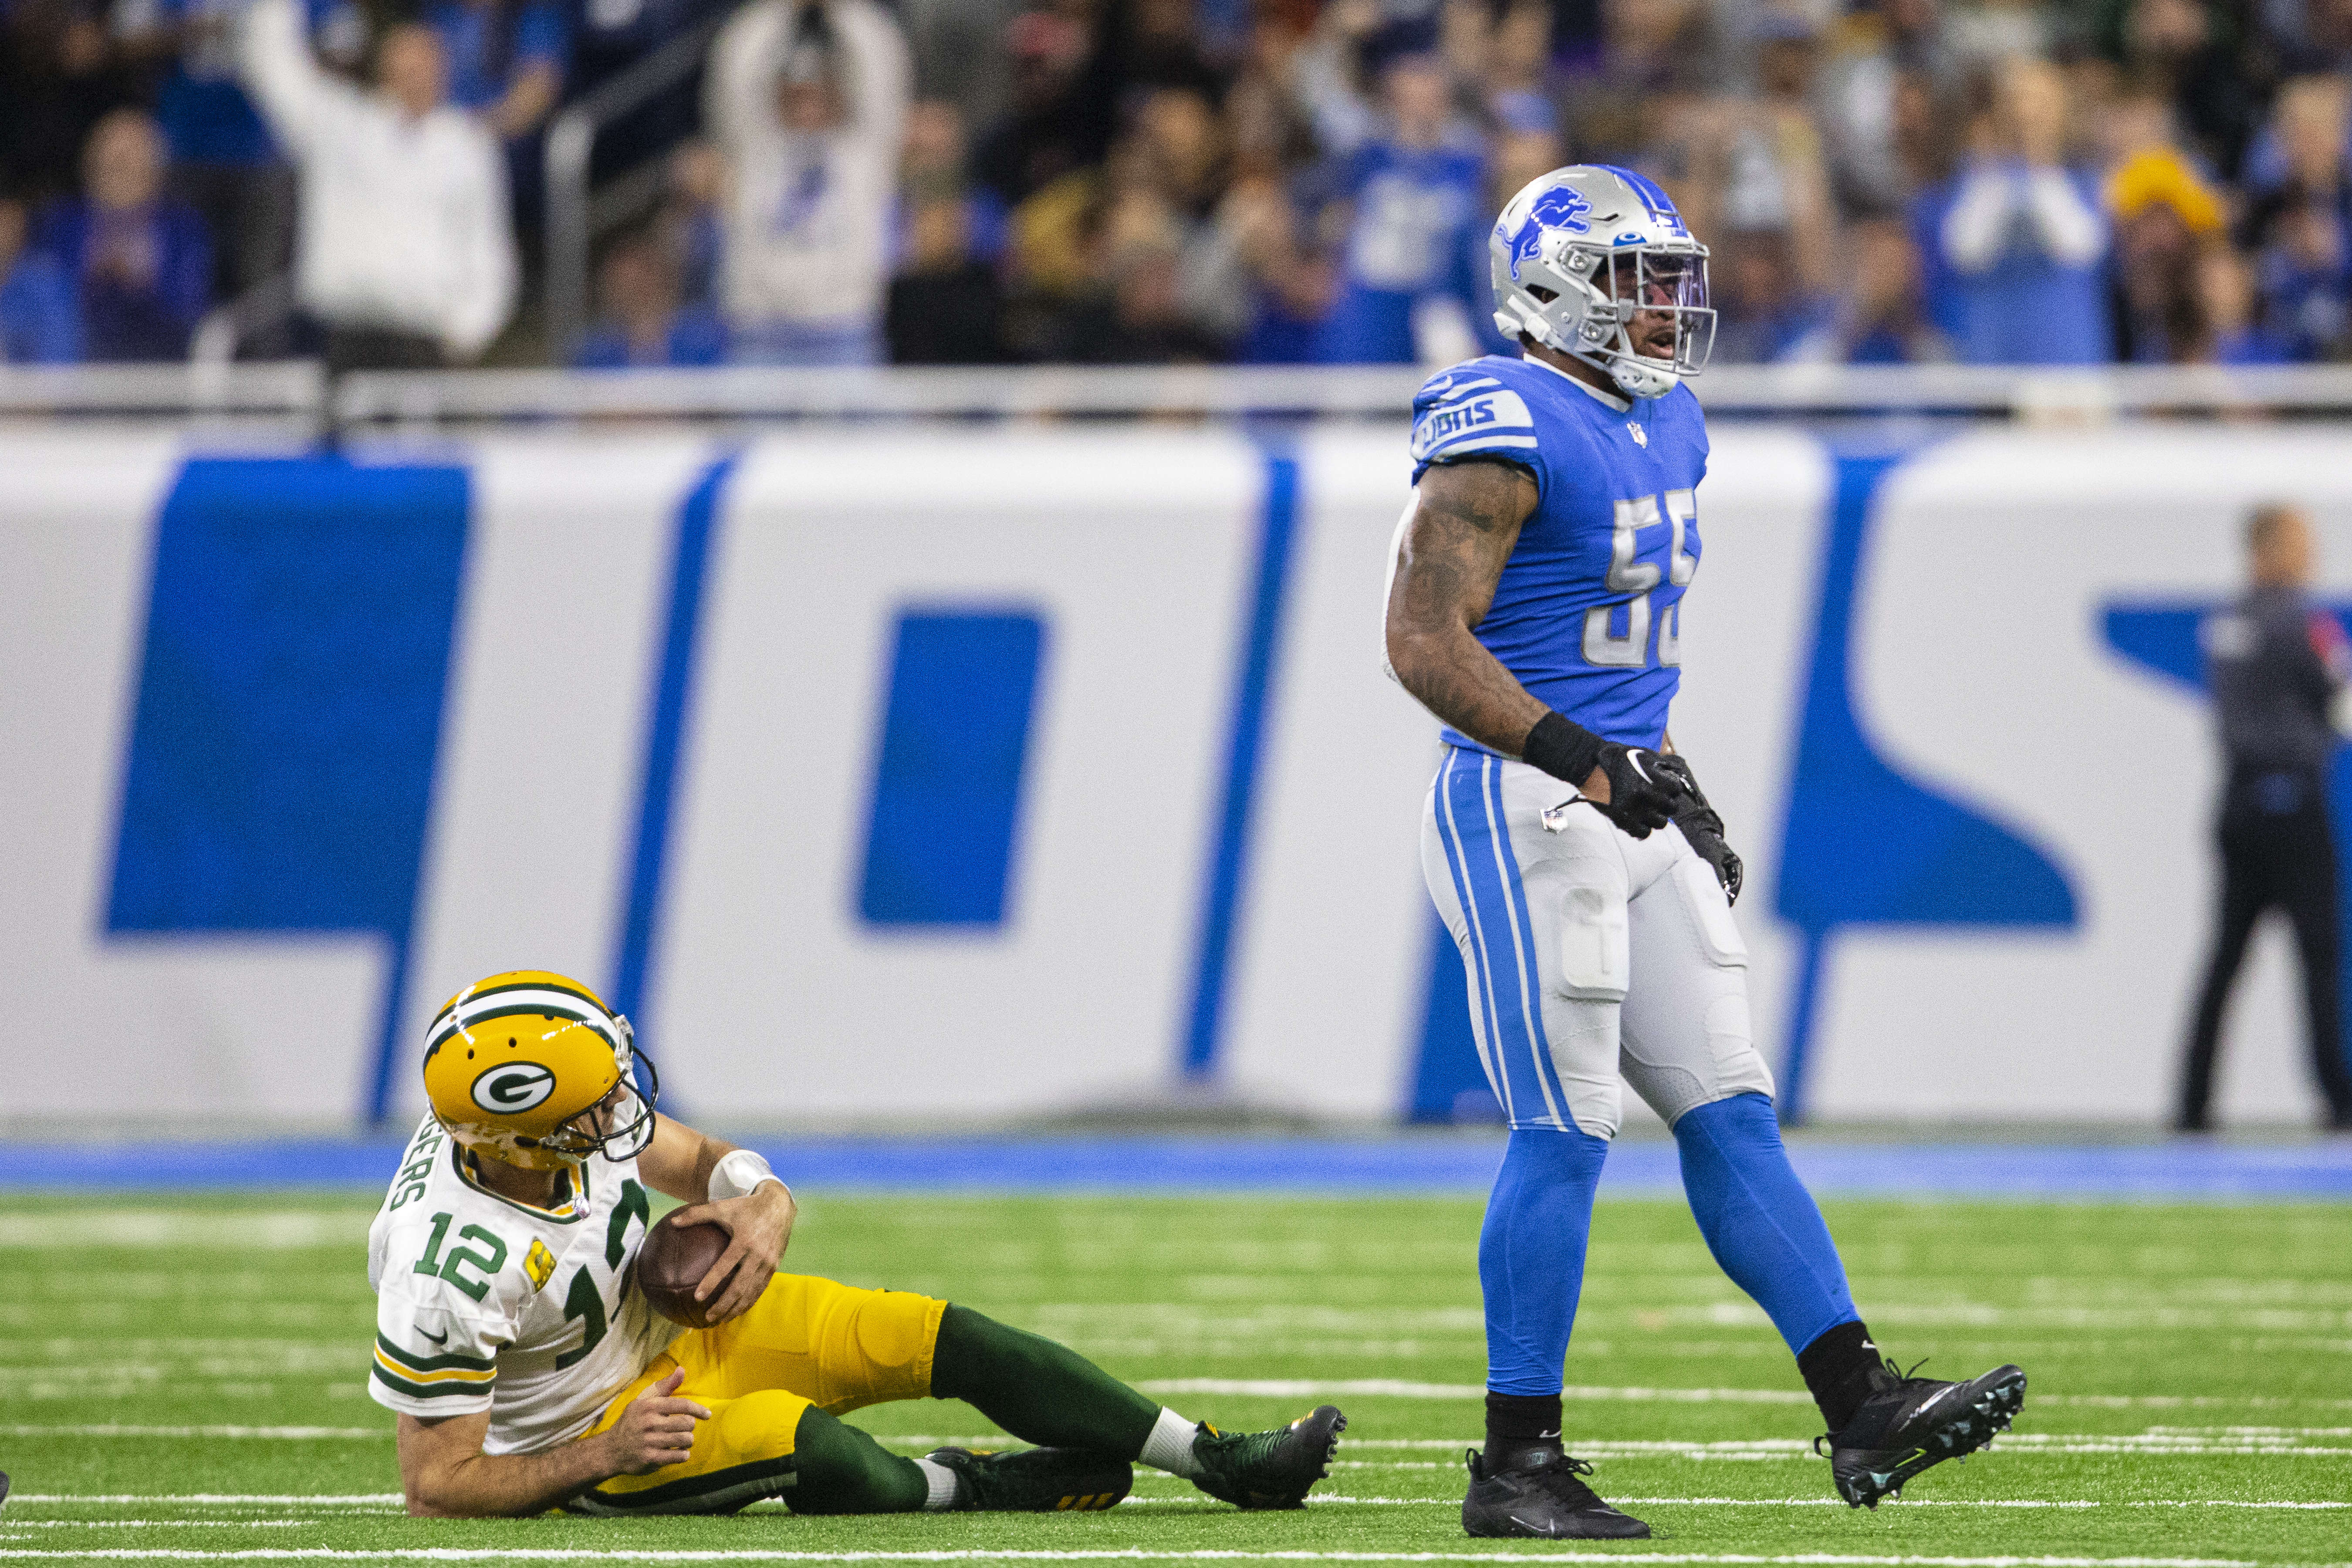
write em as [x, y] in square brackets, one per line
[529, 1372]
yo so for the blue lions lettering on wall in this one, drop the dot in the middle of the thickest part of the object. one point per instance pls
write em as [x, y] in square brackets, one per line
[1281, 523]
[280, 764]
[949, 767]
[1560, 207]
[669, 715]
[1864, 846]
[1449, 1082]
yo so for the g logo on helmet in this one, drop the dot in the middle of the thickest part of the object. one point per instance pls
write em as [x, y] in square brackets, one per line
[511, 1088]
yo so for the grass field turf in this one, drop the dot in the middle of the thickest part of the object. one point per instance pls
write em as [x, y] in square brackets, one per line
[182, 1379]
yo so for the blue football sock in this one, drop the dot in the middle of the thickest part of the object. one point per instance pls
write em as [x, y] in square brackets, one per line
[1761, 1224]
[1531, 1254]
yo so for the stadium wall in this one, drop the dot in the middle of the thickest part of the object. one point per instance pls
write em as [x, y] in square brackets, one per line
[973, 773]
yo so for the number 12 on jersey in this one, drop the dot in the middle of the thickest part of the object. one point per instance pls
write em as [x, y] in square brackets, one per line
[1628, 574]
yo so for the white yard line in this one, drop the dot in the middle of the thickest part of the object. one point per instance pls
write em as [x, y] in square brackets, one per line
[2225, 1502]
[317, 1500]
[2160, 1444]
[1305, 1388]
[1803, 1503]
[67, 1345]
[243, 1230]
[1378, 1387]
[298, 1434]
[558, 1555]
[367, 1501]
[2247, 1434]
[1964, 1502]
[156, 1523]
[2142, 1320]
[2188, 1400]
[2009, 1446]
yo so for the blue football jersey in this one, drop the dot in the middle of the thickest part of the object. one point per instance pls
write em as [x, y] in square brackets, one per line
[1587, 613]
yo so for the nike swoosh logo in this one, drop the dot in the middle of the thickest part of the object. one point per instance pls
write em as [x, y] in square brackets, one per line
[440, 1339]
[1634, 761]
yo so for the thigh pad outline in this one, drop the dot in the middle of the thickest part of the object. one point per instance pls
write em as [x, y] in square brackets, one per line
[1593, 961]
[1718, 933]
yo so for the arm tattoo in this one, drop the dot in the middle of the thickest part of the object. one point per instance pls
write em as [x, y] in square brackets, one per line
[1463, 530]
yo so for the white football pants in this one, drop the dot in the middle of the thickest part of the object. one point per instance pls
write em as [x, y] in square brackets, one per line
[1590, 952]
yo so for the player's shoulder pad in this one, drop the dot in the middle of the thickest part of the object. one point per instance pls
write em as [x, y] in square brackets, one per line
[1472, 407]
[1683, 405]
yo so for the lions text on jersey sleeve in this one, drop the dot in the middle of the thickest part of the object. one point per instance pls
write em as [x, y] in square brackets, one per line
[483, 1303]
[1587, 613]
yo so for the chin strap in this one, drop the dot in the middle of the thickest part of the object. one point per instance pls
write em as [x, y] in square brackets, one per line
[1658, 381]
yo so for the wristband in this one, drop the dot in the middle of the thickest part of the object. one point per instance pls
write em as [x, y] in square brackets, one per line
[1562, 748]
[738, 1174]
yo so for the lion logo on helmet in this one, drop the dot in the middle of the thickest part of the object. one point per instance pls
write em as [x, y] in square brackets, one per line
[1562, 206]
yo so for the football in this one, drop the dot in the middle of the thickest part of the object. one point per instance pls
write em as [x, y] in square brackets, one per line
[672, 1262]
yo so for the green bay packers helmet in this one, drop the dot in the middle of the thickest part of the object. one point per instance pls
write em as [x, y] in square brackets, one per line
[532, 1069]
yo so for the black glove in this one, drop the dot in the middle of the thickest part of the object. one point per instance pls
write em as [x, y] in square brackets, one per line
[1640, 798]
[1643, 795]
[1702, 825]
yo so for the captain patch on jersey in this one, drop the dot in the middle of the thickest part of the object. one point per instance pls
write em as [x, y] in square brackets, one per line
[1459, 413]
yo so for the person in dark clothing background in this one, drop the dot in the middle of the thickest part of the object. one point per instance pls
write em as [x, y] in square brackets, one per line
[2278, 665]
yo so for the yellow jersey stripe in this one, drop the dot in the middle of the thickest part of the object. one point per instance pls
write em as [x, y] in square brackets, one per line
[444, 1374]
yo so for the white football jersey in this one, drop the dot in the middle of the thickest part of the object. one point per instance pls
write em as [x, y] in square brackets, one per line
[483, 1303]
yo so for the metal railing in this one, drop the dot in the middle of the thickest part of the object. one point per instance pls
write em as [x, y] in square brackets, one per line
[1831, 391]
[296, 391]
[2025, 392]
[574, 218]
[742, 393]
[752, 392]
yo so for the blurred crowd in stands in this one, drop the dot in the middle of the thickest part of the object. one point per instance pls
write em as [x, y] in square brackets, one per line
[982, 182]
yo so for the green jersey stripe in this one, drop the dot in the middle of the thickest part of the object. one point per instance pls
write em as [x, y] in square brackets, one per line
[433, 1362]
[428, 1390]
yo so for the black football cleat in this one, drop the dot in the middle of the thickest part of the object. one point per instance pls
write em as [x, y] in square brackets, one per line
[1268, 1470]
[1543, 1498]
[4, 1489]
[1908, 1423]
[1036, 1480]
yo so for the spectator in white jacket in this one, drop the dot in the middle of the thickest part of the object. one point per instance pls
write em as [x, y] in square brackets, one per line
[807, 99]
[404, 252]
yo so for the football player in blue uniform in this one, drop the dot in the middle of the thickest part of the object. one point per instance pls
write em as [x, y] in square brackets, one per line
[1535, 605]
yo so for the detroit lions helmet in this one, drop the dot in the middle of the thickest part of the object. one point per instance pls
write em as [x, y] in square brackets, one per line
[1582, 251]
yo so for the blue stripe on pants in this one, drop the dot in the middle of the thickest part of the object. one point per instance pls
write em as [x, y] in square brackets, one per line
[1516, 896]
[1487, 876]
[1481, 978]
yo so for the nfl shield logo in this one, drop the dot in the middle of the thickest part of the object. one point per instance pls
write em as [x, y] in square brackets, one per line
[1641, 437]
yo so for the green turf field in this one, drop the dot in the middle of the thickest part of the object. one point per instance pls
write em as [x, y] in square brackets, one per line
[185, 1380]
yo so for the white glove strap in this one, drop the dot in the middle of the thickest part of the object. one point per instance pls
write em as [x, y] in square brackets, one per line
[738, 1174]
